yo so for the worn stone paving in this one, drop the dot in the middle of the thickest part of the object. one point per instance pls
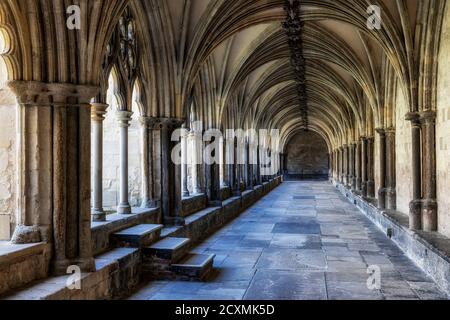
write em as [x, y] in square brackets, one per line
[304, 241]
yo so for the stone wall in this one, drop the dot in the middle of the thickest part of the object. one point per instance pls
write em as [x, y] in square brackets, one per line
[443, 129]
[307, 155]
[8, 157]
[403, 147]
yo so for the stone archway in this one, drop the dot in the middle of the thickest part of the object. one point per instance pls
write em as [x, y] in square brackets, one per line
[307, 157]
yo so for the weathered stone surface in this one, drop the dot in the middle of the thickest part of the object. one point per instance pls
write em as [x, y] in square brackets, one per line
[307, 156]
[26, 234]
[254, 260]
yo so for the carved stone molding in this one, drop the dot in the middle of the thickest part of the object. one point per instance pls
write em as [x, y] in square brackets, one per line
[124, 118]
[166, 123]
[52, 94]
[98, 111]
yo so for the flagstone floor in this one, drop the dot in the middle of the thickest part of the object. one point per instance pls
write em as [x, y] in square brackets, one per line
[304, 241]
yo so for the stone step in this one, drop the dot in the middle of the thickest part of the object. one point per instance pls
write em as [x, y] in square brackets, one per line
[194, 266]
[138, 236]
[169, 249]
[116, 276]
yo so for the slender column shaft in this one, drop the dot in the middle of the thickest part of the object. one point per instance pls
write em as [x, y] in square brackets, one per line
[429, 203]
[223, 170]
[98, 112]
[197, 160]
[342, 159]
[229, 155]
[382, 166]
[370, 168]
[359, 166]
[353, 166]
[364, 166]
[124, 118]
[347, 164]
[415, 219]
[391, 198]
[184, 162]
[237, 154]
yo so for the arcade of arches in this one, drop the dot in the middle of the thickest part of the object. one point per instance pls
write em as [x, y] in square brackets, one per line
[87, 116]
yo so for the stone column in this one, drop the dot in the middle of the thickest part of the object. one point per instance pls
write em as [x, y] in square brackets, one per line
[258, 166]
[197, 157]
[170, 173]
[124, 118]
[237, 180]
[246, 165]
[229, 157]
[346, 165]
[98, 112]
[251, 166]
[391, 193]
[146, 124]
[222, 149]
[55, 161]
[352, 166]
[364, 173]
[332, 164]
[382, 162]
[184, 160]
[370, 168]
[339, 163]
[429, 203]
[415, 215]
[358, 164]
[342, 165]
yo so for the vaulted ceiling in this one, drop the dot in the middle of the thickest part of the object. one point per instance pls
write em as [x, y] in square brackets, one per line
[227, 62]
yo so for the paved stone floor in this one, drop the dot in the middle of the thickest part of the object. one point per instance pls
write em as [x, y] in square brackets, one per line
[304, 241]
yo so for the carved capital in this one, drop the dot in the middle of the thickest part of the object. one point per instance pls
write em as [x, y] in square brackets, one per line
[428, 117]
[124, 118]
[414, 117]
[53, 94]
[98, 111]
[167, 123]
[381, 131]
[390, 131]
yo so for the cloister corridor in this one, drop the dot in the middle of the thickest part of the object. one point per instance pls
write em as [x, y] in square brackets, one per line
[224, 149]
[303, 241]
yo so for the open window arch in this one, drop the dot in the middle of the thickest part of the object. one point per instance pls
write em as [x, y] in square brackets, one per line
[8, 143]
[111, 143]
[134, 150]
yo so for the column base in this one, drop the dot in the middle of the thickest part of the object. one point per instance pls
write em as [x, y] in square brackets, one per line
[61, 267]
[364, 192]
[382, 198]
[98, 215]
[185, 194]
[391, 199]
[371, 189]
[429, 215]
[415, 215]
[26, 234]
[124, 209]
[215, 203]
[149, 204]
[174, 221]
